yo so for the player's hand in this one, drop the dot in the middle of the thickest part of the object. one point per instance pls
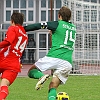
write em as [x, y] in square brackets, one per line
[43, 25]
[21, 66]
[50, 32]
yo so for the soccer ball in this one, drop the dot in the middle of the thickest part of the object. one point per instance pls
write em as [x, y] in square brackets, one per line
[62, 96]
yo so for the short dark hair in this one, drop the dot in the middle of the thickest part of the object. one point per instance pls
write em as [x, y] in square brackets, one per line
[65, 12]
[17, 18]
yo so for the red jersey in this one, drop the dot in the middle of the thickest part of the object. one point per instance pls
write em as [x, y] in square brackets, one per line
[10, 56]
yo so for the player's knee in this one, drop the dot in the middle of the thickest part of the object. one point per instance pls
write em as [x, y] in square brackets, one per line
[30, 74]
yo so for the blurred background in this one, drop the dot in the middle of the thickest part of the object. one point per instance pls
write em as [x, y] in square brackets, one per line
[85, 15]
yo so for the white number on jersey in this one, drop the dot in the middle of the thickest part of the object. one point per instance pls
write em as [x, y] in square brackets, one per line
[19, 45]
[70, 38]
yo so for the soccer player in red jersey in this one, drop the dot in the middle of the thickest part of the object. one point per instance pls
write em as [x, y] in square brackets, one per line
[11, 51]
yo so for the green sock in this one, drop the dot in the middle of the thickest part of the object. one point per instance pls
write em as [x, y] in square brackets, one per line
[35, 73]
[52, 94]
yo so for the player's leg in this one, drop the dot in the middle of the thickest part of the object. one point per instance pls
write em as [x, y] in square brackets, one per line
[43, 64]
[7, 79]
[4, 88]
[52, 93]
[35, 73]
[36, 70]
[60, 76]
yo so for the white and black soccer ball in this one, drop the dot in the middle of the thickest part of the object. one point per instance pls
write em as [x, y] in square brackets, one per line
[62, 96]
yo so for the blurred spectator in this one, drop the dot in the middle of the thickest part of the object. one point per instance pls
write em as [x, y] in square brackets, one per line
[22, 58]
[31, 45]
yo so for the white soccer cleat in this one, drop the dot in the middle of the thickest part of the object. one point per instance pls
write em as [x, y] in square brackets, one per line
[41, 81]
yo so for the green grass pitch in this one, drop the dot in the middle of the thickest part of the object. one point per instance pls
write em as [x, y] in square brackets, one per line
[77, 87]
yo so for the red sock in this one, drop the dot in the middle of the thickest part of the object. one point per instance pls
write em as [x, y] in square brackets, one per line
[3, 92]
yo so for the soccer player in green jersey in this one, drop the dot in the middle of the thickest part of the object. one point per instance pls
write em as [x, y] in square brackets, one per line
[59, 58]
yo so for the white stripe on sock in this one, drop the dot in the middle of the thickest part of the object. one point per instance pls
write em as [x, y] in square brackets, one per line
[51, 97]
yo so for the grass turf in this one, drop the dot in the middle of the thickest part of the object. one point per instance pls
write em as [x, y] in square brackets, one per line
[77, 87]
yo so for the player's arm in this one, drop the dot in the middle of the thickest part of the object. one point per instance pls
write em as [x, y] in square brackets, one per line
[32, 27]
[4, 44]
[10, 37]
[49, 25]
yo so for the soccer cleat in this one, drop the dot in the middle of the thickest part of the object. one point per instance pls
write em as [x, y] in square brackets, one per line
[41, 82]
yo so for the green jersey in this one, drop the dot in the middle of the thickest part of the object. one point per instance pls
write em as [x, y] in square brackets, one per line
[63, 38]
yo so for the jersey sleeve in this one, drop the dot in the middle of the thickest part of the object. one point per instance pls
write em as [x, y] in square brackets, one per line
[10, 35]
[52, 25]
[4, 44]
[32, 27]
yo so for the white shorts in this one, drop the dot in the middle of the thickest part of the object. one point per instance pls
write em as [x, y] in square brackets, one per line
[61, 67]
